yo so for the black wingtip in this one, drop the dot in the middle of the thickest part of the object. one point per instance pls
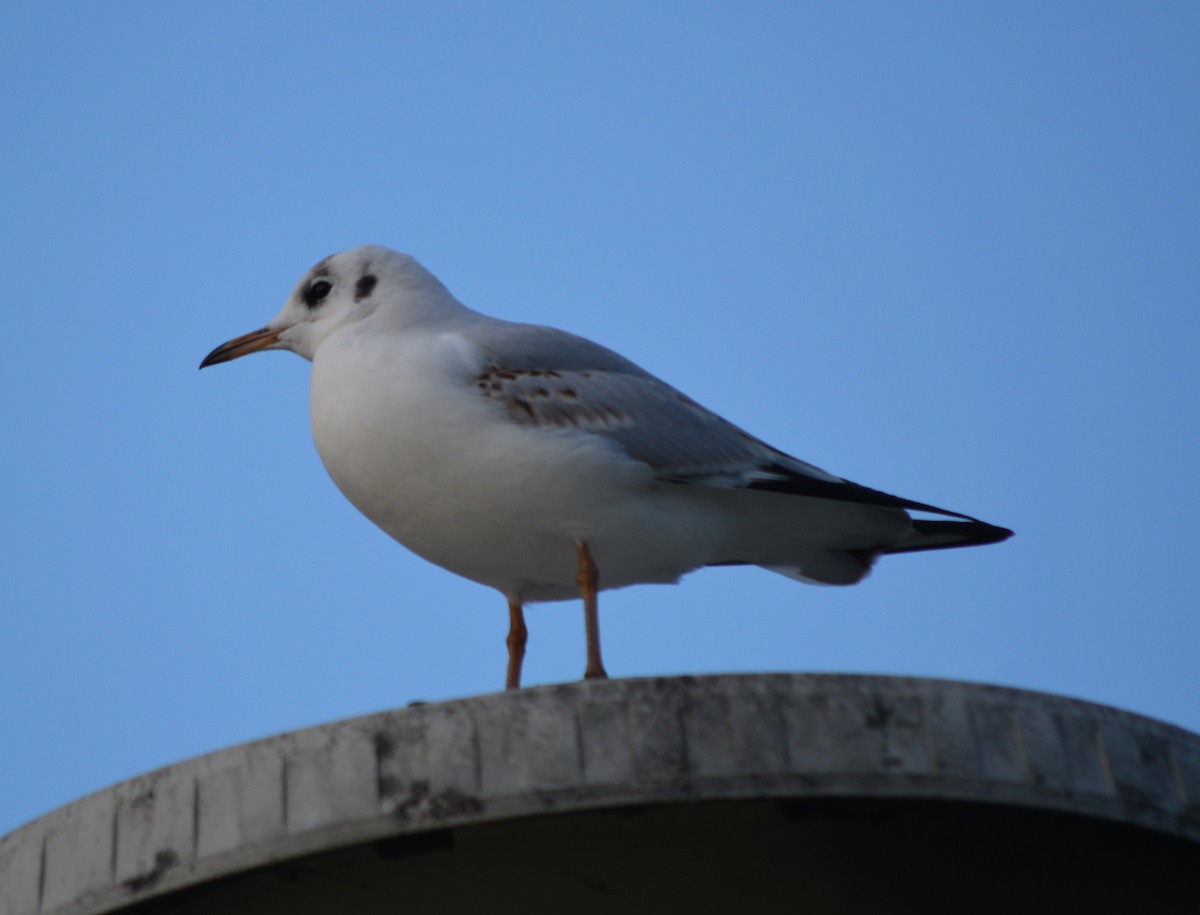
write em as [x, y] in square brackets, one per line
[947, 535]
[783, 479]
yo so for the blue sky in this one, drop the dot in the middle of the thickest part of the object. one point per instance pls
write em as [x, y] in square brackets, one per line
[946, 250]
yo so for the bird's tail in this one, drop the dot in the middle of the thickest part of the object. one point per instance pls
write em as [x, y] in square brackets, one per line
[850, 566]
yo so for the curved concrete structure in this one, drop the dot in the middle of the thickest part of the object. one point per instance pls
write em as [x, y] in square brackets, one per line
[828, 793]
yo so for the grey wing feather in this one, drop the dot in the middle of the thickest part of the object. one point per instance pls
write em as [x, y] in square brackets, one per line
[530, 346]
[547, 377]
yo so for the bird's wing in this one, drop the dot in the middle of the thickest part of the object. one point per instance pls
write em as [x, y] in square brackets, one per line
[545, 377]
[548, 378]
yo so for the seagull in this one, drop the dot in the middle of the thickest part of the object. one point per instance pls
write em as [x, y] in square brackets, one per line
[548, 467]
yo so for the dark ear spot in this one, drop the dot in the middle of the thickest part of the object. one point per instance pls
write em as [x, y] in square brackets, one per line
[314, 293]
[363, 287]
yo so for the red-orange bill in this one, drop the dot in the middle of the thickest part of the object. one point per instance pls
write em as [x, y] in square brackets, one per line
[241, 346]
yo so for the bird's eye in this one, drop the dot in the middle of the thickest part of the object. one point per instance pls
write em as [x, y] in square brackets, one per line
[315, 294]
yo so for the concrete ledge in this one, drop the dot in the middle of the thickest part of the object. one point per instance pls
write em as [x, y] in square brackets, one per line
[575, 750]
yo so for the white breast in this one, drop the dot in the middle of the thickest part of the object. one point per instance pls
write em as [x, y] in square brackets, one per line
[410, 441]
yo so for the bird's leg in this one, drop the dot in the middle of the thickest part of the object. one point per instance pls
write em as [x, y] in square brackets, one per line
[586, 579]
[517, 635]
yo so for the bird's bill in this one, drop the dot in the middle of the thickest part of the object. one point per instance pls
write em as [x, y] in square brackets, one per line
[241, 346]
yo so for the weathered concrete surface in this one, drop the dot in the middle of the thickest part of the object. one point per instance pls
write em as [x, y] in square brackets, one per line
[516, 781]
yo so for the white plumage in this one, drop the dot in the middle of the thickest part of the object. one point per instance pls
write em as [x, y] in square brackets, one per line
[544, 465]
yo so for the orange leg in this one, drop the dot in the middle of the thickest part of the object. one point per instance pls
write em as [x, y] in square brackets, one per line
[517, 636]
[587, 578]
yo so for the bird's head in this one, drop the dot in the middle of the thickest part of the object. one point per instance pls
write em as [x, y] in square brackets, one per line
[344, 289]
